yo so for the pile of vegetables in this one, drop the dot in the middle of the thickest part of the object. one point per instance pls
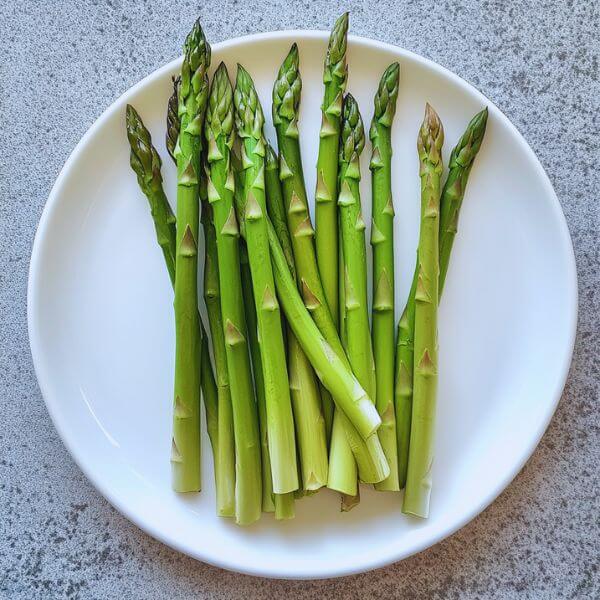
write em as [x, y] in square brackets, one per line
[303, 386]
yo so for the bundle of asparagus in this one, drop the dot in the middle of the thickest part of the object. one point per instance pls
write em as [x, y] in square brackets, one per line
[300, 393]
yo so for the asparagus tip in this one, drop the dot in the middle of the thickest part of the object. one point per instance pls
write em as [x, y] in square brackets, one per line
[292, 56]
[432, 125]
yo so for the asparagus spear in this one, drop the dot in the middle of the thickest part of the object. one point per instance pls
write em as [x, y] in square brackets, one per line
[334, 78]
[420, 458]
[249, 122]
[219, 134]
[146, 163]
[461, 162]
[185, 449]
[225, 451]
[352, 228]
[382, 240]
[306, 400]
[367, 450]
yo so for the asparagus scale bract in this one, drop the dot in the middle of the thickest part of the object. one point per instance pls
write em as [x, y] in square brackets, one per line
[249, 121]
[461, 162]
[382, 241]
[306, 400]
[420, 457]
[221, 185]
[193, 94]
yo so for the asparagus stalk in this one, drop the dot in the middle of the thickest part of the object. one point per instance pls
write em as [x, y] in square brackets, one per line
[461, 162]
[185, 449]
[225, 451]
[367, 450]
[306, 400]
[281, 504]
[146, 163]
[344, 475]
[335, 74]
[259, 384]
[209, 393]
[352, 229]
[220, 135]
[420, 458]
[249, 122]
[268, 499]
[403, 380]
[382, 240]
[352, 226]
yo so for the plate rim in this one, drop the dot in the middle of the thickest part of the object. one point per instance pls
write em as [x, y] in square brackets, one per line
[363, 564]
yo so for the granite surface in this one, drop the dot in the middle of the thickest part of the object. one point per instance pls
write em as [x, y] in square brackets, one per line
[63, 62]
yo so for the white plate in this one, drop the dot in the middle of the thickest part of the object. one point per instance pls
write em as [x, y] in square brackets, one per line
[101, 326]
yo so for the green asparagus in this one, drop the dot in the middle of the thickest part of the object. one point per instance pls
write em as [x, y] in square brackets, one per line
[249, 122]
[193, 93]
[146, 163]
[306, 400]
[335, 74]
[220, 135]
[420, 457]
[382, 240]
[225, 454]
[352, 228]
[268, 505]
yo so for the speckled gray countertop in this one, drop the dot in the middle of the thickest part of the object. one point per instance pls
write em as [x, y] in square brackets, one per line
[63, 63]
